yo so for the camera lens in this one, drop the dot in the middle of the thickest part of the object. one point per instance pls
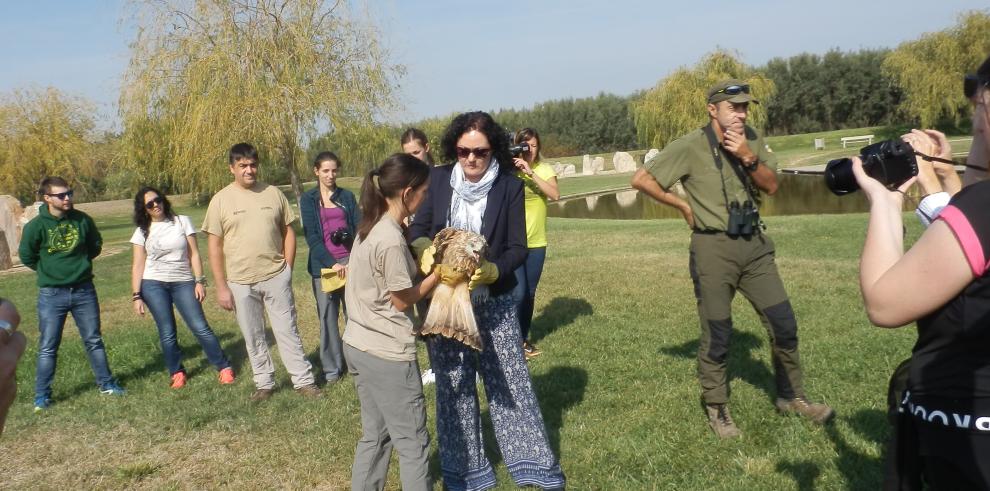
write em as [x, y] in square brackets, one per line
[839, 177]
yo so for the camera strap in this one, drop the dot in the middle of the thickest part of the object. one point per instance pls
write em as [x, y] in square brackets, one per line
[717, 156]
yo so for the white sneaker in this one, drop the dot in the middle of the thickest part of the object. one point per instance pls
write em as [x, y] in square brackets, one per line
[429, 377]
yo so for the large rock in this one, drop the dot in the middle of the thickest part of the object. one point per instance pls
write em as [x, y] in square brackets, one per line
[11, 215]
[649, 155]
[623, 162]
[586, 166]
[597, 165]
[567, 170]
[31, 211]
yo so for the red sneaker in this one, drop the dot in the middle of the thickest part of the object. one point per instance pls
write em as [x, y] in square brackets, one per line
[227, 376]
[178, 380]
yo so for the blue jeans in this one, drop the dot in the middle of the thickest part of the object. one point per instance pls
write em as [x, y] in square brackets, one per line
[54, 304]
[527, 278]
[159, 296]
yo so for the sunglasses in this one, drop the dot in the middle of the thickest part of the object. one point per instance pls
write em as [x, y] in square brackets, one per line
[463, 153]
[971, 83]
[61, 196]
[734, 90]
[157, 200]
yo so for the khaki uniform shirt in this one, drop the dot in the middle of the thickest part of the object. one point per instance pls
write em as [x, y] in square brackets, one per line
[378, 265]
[251, 223]
[689, 160]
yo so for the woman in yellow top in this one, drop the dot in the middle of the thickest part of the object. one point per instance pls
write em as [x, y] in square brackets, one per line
[540, 185]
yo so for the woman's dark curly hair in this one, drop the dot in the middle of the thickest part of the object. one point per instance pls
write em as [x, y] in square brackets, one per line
[141, 217]
[483, 123]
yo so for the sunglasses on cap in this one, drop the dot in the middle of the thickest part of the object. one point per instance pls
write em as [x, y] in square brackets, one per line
[60, 196]
[971, 83]
[734, 90]
[157, 200]
[463, 153]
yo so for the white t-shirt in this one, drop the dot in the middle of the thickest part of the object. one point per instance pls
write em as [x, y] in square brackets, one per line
[167, 249]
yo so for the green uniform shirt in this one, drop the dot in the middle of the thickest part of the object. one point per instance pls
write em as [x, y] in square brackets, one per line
[689, 160]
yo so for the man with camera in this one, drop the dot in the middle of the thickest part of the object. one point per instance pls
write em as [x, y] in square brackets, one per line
[252, 248]
[723, 168]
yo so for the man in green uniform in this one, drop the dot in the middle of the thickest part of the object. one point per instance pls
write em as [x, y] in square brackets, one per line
[723, 168]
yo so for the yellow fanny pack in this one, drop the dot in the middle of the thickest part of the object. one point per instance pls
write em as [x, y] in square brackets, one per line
[330, 281]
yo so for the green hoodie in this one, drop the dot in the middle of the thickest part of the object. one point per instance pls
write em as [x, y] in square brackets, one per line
[62, 249]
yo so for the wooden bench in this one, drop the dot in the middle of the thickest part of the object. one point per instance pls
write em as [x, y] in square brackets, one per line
[856, 139]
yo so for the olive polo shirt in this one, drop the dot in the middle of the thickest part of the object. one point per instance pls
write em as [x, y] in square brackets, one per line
[689, 160]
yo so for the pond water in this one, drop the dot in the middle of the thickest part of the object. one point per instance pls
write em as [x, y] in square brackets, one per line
[798, 194]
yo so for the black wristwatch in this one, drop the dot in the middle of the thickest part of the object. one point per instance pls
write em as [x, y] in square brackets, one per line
[752, 167]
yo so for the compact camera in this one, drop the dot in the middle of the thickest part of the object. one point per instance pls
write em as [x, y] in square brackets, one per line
[892, 162]
[517, 150]
[343, 237]
[743, 220]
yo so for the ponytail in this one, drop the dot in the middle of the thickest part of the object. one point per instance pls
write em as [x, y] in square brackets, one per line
[398, 172]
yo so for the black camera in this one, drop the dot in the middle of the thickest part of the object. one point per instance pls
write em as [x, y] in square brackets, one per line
[743, 220]
[517, 150]
[343, 237]
[891, 162]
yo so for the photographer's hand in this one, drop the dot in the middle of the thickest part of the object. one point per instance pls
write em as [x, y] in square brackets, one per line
[875, 191]
[523, 166]
[951, 183]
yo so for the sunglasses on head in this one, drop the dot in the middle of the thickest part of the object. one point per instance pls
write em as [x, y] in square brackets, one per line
[734, 90]
[463, 153]
[971, 83]
[60, 196]
[157, 200]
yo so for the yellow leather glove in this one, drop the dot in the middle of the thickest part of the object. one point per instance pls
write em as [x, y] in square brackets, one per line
[424, 251]
[448, 275]
[486, 274]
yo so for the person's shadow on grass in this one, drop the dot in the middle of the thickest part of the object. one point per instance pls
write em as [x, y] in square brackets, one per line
[740, 361]
[560, 312]
[861, 471]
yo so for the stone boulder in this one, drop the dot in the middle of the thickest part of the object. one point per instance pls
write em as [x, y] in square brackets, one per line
[597, 165]
[567, 170]
[623, 162]
[586, 166]
[11, 215]
[649, 155]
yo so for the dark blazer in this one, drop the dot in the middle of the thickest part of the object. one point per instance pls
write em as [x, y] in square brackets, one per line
[309, 208]
[503, 226]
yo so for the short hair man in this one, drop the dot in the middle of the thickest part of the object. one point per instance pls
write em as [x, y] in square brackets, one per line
[723, 167]
[252, 248]
[60, 244]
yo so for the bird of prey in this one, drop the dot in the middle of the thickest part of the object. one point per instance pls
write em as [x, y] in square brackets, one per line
[450, 314]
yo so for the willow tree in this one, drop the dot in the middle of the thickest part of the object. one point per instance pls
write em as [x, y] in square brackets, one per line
[43, 133]
[676, 104]
[929, 70]
[205, 74]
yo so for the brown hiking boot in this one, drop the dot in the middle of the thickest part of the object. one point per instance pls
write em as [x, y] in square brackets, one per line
[720, 421]
[262, 395]
[815, 411]
[310, 391]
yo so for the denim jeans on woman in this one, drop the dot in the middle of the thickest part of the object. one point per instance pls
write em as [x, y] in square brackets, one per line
[527, 278]
[159, 296]
[54, 305]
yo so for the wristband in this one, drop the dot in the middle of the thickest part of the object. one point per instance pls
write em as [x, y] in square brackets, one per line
[136, 296]
[201, 280]
[752, 167]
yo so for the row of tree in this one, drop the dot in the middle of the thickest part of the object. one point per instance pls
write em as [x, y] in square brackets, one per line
[207, 74]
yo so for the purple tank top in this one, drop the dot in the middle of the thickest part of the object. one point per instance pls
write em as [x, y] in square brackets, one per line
[333, 219]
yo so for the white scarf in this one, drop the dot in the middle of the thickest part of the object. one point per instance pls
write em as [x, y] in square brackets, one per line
[469, 199]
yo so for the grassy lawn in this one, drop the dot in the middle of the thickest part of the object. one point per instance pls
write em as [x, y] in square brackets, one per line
[615, 318]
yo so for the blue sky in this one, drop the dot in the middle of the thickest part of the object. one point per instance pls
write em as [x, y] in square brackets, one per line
[461, 55]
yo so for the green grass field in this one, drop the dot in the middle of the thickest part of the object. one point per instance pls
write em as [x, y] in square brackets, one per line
[615, 318]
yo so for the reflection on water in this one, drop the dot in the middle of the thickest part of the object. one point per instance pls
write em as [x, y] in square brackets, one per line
[797, 195]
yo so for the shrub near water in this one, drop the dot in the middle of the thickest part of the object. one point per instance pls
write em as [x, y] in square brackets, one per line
[616, 320]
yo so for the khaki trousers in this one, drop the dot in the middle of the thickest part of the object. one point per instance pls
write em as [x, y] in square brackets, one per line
[250, 303]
